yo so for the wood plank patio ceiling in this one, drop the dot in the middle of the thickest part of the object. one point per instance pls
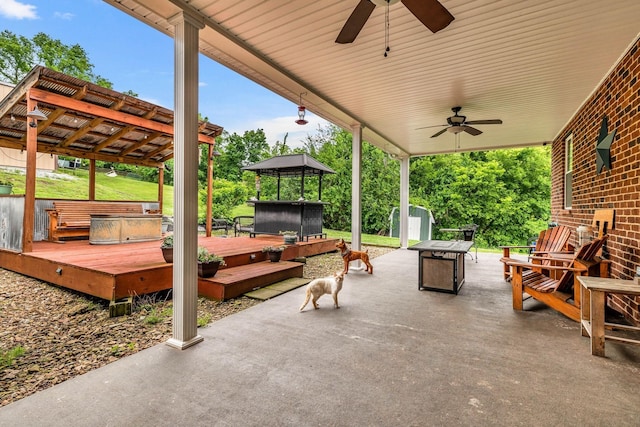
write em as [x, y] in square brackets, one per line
[85, 120]
[529, 63]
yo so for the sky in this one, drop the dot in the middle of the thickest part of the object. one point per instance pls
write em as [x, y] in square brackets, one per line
[136, 57]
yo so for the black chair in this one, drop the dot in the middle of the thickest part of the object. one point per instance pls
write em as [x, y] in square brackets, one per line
[221, 224]
[243, 224]
[468, 235]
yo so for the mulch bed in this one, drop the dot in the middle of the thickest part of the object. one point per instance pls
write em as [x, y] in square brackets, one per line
[61, 333]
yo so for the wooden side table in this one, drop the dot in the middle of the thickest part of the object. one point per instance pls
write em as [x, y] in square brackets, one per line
[593, 292]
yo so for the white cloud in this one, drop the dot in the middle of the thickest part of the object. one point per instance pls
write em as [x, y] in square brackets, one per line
[13, 9]
[67, 16]
[152, 100]
[202, 84]
[275, 129]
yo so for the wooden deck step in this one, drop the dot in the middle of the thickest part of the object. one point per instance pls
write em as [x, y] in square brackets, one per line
[235, 281]
[279, 288]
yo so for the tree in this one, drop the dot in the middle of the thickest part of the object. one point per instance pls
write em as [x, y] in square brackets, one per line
[18, 55]
[505, 192]
[239, 151]
[380, 181]
[226, 195]
[281, 148]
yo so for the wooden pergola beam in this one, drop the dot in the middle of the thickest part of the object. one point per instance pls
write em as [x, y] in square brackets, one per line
[109, 114]
[122, 132]
[84, 154]
[88, 127]
[134, 147]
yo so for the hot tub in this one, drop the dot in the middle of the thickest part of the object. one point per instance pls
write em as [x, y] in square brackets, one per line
[112, 229]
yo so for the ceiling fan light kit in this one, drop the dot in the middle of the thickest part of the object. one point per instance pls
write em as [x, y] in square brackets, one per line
[458, 123]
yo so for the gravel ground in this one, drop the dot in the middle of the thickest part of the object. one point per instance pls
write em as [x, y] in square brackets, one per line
[50, 334]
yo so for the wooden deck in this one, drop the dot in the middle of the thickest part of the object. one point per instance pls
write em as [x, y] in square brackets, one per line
[117, 271]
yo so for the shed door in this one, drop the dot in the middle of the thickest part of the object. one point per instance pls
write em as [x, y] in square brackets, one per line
[414, 228]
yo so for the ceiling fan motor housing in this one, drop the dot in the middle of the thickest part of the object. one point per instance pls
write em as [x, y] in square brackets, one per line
[456, 120]
[384, 2]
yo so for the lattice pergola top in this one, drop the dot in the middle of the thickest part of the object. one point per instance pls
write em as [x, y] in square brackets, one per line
[290, 165]
[88, 121]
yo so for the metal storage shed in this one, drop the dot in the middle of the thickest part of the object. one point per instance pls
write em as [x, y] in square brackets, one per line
[420, 223]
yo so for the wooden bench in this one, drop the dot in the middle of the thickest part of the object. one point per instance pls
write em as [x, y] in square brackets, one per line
[72, 218]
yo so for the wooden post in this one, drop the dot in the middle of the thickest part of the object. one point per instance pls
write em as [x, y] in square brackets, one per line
[596, 311]
[30, 182]
[160, 187]
[209, 189]
[92, 179]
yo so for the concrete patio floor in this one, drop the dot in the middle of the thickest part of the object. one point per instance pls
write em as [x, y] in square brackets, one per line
[391, 356]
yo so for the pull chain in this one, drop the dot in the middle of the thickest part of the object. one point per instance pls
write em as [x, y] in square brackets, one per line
[386, 30]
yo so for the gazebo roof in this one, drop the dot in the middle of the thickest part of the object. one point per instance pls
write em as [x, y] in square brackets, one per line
[88, 121]
[291, 165]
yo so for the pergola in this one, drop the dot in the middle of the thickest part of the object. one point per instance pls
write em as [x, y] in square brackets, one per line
[88, 121]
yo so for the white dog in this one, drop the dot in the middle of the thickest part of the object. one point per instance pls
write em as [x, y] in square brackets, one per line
[324, 285]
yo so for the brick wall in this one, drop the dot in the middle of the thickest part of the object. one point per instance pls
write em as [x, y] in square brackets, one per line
[618, 98]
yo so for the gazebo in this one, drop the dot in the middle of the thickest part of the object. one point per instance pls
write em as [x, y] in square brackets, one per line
[302, 216]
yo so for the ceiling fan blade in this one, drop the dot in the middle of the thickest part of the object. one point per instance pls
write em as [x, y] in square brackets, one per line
[431, 13]
[439, 133]
[427, 127]
[484, 122]
[471, 131]
[355, 22]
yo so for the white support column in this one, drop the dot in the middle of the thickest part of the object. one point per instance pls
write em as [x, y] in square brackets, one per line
[404, 202]
[185, 243]
[356, 185]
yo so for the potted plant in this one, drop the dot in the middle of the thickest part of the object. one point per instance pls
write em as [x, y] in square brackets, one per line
[167, 248]
[273, 252]
[290, 237]
[208, 262]
[6, 187]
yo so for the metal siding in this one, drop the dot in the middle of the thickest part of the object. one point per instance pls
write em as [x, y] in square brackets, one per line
[11, 214]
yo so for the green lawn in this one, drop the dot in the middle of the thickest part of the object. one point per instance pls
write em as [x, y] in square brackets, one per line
[74, 184]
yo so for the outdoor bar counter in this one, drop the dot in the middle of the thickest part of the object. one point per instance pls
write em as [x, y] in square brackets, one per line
[274, 216]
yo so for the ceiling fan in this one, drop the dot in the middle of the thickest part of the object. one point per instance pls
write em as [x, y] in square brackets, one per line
[430, 12]
[457, 123]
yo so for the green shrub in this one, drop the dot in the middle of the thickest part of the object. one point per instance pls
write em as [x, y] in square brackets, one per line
[226, 195]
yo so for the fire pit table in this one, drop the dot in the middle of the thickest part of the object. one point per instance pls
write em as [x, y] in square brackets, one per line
[441, 264]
